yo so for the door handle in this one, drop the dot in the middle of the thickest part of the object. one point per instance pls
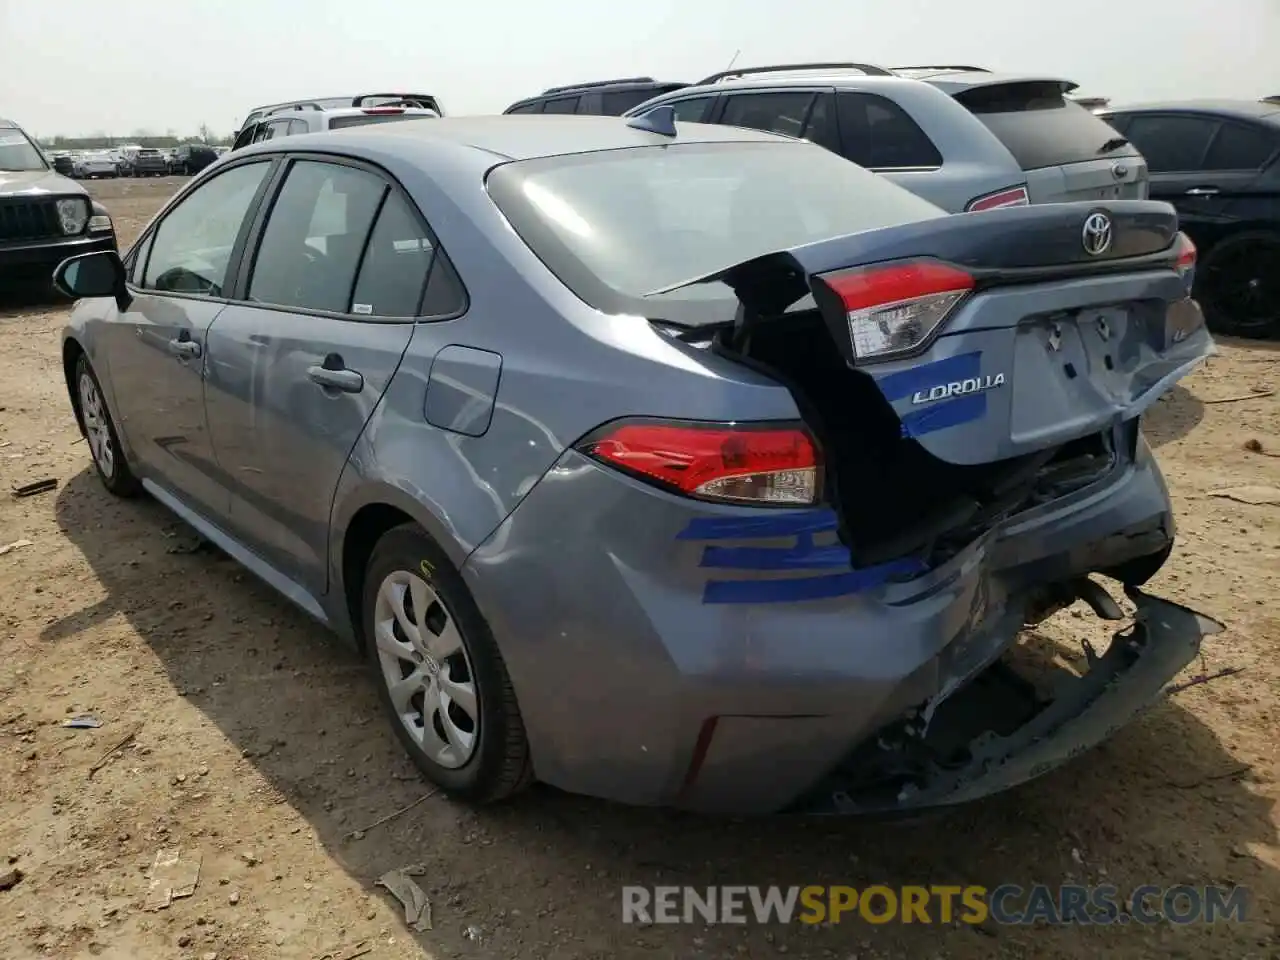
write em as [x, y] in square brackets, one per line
[348, 381]
[1202, 192]
[184, 349]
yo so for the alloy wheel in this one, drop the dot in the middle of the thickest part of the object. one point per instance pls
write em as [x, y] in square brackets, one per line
[426, 669]
[1241, 283]
[94, 414]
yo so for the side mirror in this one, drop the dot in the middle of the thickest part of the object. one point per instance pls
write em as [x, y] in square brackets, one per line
[93, 275]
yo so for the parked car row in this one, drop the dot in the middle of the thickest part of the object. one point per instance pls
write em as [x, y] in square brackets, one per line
[133, 161]
[967, 138]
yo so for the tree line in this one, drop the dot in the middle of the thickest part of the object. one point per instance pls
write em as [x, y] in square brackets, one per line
[142, 138]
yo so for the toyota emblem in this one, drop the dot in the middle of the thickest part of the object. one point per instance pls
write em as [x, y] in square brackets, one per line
[1096, 235]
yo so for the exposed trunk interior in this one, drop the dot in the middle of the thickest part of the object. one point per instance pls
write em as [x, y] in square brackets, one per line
[893, 497]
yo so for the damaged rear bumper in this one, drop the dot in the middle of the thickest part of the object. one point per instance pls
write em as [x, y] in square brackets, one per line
[1084, 711]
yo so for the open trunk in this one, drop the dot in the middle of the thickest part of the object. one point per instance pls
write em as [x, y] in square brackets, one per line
[1027, 386]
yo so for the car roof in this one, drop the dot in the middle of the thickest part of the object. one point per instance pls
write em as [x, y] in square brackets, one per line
[1236, 109]
[518, 137]
[351, 112]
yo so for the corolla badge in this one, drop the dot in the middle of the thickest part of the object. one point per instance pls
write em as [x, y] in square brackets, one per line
[1096, 235]
[958, 388]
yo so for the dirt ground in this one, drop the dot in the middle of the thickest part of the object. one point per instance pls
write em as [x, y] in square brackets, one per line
[262, 749]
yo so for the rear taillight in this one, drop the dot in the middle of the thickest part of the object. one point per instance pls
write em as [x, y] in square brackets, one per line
[384, 110]
[1186, 265]
[896, 308]
[736, 462]
[1008, 197]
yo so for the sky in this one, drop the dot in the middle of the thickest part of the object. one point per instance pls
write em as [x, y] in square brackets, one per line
[79, 67]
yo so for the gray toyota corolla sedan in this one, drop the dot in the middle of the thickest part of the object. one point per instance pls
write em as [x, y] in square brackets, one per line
[671, 463]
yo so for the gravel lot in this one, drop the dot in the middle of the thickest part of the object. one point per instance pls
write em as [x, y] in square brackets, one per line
[261, 747]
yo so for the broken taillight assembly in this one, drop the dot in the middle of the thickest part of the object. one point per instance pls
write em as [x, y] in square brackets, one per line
[1186, 264]
[894, 309]
[753, 463]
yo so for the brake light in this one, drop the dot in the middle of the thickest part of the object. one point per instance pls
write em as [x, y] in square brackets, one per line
[761, 464]
[1186, 263]
[896, 308]
[1008, 197]
[384, 109]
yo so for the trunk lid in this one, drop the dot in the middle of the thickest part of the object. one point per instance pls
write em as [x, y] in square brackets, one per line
[1052, 342]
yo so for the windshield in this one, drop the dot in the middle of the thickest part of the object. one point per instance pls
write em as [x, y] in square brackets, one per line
[641, 220]
[17, 152]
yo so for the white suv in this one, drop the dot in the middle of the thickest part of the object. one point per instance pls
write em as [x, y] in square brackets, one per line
[292, 120]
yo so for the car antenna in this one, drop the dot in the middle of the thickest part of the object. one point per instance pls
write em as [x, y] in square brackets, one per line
[660, 119]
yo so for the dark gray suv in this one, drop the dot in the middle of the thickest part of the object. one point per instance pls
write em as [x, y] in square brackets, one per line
[962, 137]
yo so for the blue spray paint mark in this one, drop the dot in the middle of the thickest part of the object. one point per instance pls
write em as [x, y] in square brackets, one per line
[808, 588]
[904, 383]
[790, 524]
[943, 414]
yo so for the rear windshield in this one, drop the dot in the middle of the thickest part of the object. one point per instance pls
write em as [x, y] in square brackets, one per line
[1040, 126]
[362, 119]
[618, 226]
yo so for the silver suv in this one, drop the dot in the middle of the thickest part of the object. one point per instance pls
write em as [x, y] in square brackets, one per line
[291, 120]
[962, 137]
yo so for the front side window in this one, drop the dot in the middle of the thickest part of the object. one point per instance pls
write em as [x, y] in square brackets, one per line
[17, 153]
[693, 110]
[535, 107]
[192, 249]
[783, 113]
[561, 105]
[310, 249]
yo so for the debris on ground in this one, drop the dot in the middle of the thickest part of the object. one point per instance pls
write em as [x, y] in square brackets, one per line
[10, 878]
[1201, 678]
[402, 886]
[172, 877]
[348, 953]
[103, 760]
[1255, 395]
[37, 486]
[14, 546]
[1254, 445]
[83, 721]
[359, 834]
[1255, 495]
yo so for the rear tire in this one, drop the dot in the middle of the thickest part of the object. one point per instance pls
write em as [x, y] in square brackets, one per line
[100, 431]
[439, 673]
[1238, 285]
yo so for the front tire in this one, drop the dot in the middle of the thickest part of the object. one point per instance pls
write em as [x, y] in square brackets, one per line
[439, 673]
[100, 432]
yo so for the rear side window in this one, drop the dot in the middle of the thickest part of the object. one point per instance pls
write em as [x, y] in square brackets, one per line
[615, 103]
[311, 246]
[784, 113]
[396, 263]
[1171, 142]
[1040, 126]
[617, 225]
[561, 105]
[1237, 147]
[878, 134]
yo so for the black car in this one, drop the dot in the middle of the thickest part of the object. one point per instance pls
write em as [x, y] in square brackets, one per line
[1218, 162]
[63, 164]
[44, 216]
[608, 98]
[191, 158]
